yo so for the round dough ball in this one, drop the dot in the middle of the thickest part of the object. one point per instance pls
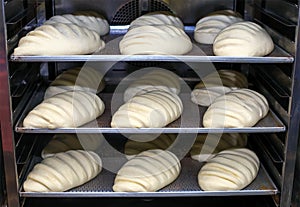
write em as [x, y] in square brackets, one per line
[243, 39]
[155, 40]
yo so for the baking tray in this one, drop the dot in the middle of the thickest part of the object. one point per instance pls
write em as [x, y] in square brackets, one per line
[185, 185]
[199, 53]
[186, 124]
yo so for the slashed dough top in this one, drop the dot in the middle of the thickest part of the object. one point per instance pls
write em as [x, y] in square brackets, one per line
[243, 39]
[155, 40]
[157, 18]
[59, 39]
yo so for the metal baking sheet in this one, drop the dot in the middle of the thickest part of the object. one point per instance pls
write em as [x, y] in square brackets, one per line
[185, 185]
[271, 123]
[199, 53]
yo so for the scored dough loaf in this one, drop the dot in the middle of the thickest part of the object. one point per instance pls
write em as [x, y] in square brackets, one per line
[152, 109]
[217, 84]
[238, 108]
[157, 18]
[232, 169]
[243, 39]
[85, 79]
[59, 39]
[156, 79]
[136, 144]
[208, 27]
[66, 142]
[155, 40]
[67, 109]
[207, 145]
[63, 171]
[149, 171]
[88, 19]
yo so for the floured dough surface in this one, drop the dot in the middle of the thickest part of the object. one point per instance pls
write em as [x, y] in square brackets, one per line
[243, 39]
[149, 171]
[63, 171]
[155, 79]
[238, 108]
[88, 19]
[157, 18]
[85, 79]
[232, 169]
[65, 142]
[155, 40]
[59, 39]
[67, 109]
[139, 142]
[208, 27]
[217, 84]
[152, 109]
[207, 146]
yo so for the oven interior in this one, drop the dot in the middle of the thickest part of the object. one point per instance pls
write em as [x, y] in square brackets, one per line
[274, 140]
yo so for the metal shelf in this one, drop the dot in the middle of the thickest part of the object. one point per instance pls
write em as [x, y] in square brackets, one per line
[185, 185]
[186, 124]
[199, 53]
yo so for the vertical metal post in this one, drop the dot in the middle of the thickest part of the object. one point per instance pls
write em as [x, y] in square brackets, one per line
[8, 145]
[292, 131]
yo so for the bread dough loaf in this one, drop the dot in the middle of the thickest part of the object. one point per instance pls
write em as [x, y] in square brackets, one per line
[59, 39]
[157, 18]
[63, 171]
[208, 27]
[136, 144]
[232, 169]
[155, 40]
[149, 171]
[85, 79]
[156, 79]
[87, 19]
[67, 109]
[239, 108]
[66, 142]
[217, 84]
[243, 39]
[207, 145]
[152, 109]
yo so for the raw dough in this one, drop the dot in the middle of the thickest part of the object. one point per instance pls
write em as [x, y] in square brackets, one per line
[156, 79]
[152, 109]
[155, 40]
[85, 79]
[88, 19]
[207, 145]
[149, 171]
[136, 144]
[59, 39]
[63, 171]
[66, 142]
[67, 109]
[157, 18]
[243, 39]
[238, 108]
[217, 84]
[208, 27]
[232, 169]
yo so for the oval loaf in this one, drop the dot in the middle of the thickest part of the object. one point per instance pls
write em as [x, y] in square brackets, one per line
[232, 169]
[67, 109]
[63, 171]
[149, 171]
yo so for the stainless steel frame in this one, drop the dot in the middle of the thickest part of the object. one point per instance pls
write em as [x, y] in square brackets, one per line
[292, 119]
